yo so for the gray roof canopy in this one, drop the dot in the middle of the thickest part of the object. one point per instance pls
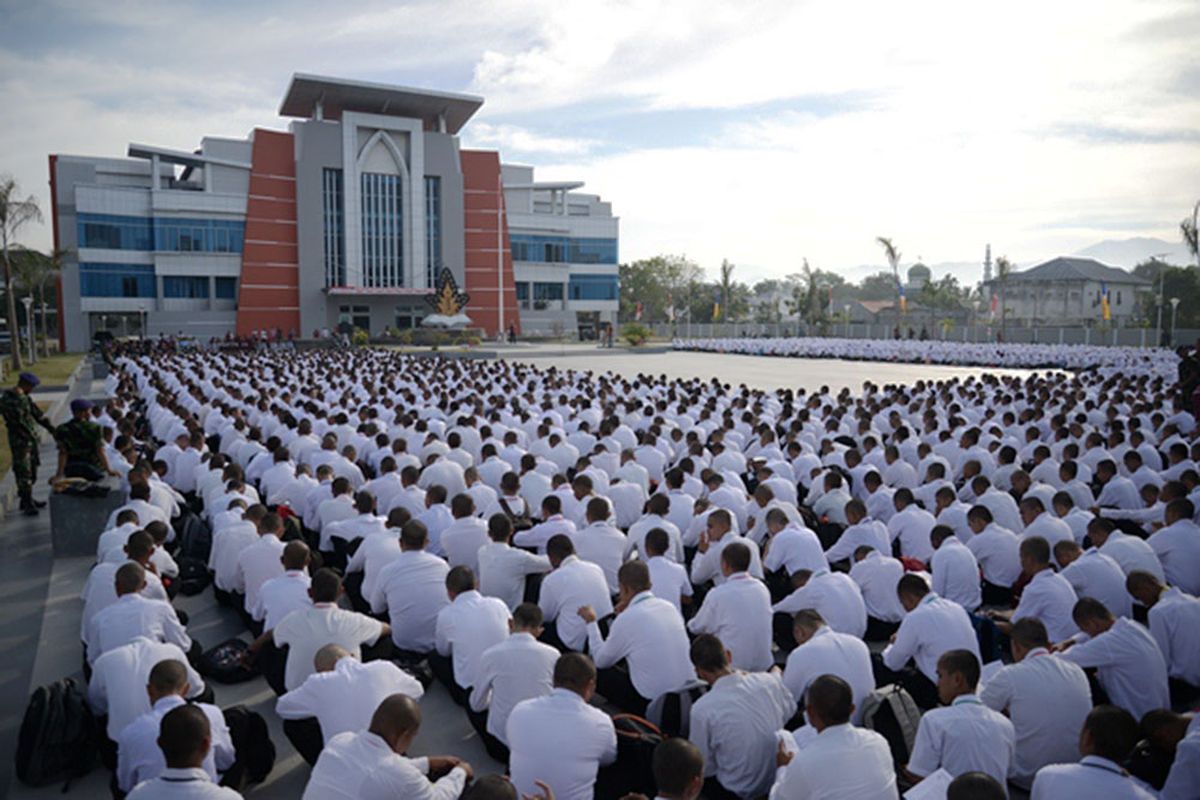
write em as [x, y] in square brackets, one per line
[1066, 268]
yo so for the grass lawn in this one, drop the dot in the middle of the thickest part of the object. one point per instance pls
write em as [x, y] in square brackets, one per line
[53, 371]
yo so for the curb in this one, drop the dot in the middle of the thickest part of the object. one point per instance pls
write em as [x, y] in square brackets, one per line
[8, 487]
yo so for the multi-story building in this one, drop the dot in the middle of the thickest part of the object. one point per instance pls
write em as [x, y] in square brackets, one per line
[347, 217]
[1068, 291]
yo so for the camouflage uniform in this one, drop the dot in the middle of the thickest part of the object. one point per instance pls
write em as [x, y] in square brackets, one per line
[80, 440]
[22, 416]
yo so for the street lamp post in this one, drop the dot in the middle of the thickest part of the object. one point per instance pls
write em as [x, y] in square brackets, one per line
[1174, 315]
[142, 314]
[28, 301]
[846, 308]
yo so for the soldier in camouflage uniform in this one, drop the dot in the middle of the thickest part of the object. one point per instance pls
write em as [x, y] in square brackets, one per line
[22, 416]
[81, 445]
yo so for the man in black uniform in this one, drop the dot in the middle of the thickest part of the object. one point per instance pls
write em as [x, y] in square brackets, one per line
[81, 445]
[22, 416]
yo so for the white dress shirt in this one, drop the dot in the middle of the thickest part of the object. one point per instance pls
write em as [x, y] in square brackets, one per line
[1129, 665]
[912, 526]
[574, 584]
[1047, 698]
[518, 668]
[139, 758]
[794, 548]
[1050, 528]
[650, 636]
[997, 550]
[376, 551]
[282, 595]
[734, 724]
[182, 784]
[130, 617]
[468, 626]
[119, 677]
[835, 597]
[706, 566]
[604, 546]
[502, 571]
[1175, 625]
[305, 632]
[1096, 575]
[965, 736]
[462, 540]
[257, 564]
[841, 762]
[637, 537]
[1092, 778]
[1049, 598]
[877, 576]
[412, 589]
[1132, 553]
[539, 534]
[933, 627]
[956, 574]
[100, 590]
[361, 766]
[870, 532]
[345, 698]
[228, 543]
[560, 740]
[738, 612]
[831, 653]
[669, 581]
[1178, 549]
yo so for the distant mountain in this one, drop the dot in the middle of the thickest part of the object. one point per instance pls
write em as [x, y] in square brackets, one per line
[1128, 253]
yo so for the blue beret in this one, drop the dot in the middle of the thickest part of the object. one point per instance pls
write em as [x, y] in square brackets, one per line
[80, 404]
[29, 378]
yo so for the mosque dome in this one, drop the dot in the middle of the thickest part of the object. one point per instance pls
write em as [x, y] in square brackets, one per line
[919, 272]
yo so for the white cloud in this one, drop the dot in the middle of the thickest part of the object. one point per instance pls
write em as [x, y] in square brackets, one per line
[515, 139]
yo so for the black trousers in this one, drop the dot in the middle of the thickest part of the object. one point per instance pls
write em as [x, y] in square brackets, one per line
[713, 790]
[994, 595]
[443, 670]
[305, 735]
[617, 687]
[495, 748]
[781, 625]
[924, 691]
[878, 630]
[272, 664]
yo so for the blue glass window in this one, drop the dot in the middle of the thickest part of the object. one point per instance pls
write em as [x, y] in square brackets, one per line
[116, 280]
[562, 250]
[192, 287]
[594, 287]
[522, 291]
[593, 251]
[547, 291]
[335, 227]
[226, 289]
[382, 215]
[115, 232]
[433, 227]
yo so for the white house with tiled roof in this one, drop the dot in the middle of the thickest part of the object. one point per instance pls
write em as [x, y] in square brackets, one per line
[1067, 291]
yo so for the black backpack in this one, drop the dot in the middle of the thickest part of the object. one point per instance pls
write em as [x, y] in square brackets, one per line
[193, 576]
[253, 745]
[225, 663]
[195, 538]
[57, 741]
[633, 771]
[891, 712]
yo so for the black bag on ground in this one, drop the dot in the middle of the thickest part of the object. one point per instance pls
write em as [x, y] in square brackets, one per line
[57, 741]
[195, 538]
[225, 663]
[193, 576]
[418, 669]
[633, 771]
[891, 712]
[253, 745]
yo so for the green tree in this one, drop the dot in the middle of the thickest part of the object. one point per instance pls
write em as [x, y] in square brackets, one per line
[880, 286]
[654, 282]
[34, 272]
[1190, 230]
[726, 283]
[15, 213]
[1181, 282]
[892, 254]
[766, 294]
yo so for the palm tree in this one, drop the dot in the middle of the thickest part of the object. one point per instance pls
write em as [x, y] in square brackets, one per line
[726, 286]
[893, 258]
[15, 212]
[1190, 228]
[1004, 267]
[32, 270]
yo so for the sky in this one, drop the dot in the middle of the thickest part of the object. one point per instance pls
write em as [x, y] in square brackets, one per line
[761, 132]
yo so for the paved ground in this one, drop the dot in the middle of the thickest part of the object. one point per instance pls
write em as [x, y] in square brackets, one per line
[762, 372]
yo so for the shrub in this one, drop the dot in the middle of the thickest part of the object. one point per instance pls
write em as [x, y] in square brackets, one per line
[635, 333]
[360, 338]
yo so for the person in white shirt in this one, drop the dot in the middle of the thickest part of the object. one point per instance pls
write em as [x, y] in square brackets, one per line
[910, 526]
[1048, 596]
[553, 523]
[841, 762]
[559, 739]
[573, 583]
[185, 738]
[139, 757]
[133, 615]
[371, 765]
[462, 539]
[516, 669]
[115, 538]
[877, 575]
[1177, 546]
[791, 547]
[668, 579]
[965, 735]
[1130, 552]
[99, 590]
[996, 550]
[648, 634]
[412, 589]
[1046, 697]
[1129, 664]
[1108, 737]
[1040, 523]
[1174, 619]
[340, 696]
[468, 626]
[308, 630]
[861, 530]
[1118, 491]
[955, 572]
[1093, 574]
[834, 594]
[831, 505]
[503, 569]
[600, 542]
[656, 517]
[820, 650]
[734, 723]
[932, 626]
[259, 563]
[1180, 733]
[227, 545]
[678, 767]
[117, 688]
[738, 612]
